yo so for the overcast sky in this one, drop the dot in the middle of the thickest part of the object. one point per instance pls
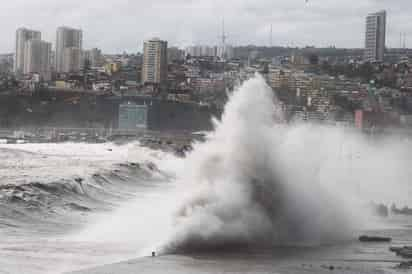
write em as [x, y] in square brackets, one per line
[122, 25]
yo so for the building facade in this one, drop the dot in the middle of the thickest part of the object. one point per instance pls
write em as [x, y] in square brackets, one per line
[132, 116]
[154, 70]
[202, 51]
[37, 55]
[375, 36]
[22, 36]
[71, 39]
[94, 57]
[225, 52]
[72, 60]
[175, 54]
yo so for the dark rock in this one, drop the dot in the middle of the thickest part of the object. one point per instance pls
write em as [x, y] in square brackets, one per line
[405, 252]
[365, 238]
[405, 265]
[137, 165]
[404, 211]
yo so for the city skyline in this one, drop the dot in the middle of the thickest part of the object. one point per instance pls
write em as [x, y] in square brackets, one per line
[115, 28]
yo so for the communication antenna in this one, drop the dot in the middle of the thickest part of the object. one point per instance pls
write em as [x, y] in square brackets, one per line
[404, 40]
[223, 37]
[271, 35]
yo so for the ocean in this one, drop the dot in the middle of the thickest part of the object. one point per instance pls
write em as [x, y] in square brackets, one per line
[256, 196]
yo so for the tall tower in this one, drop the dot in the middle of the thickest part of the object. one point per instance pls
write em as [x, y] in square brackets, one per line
[37, 55]
[375, 37]
[224, 51]
[68, 40]
[22, 36]
[154, 69]
[271, 36]
[71, 61]
[223, 36]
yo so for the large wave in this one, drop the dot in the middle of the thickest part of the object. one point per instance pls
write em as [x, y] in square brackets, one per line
[52, 186]
[50, 193]
[258, 182]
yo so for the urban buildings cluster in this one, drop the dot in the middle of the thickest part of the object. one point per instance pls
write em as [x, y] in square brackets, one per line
[35, 56]
[367, 87]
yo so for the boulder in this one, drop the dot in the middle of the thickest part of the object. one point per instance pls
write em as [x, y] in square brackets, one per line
[366, 238]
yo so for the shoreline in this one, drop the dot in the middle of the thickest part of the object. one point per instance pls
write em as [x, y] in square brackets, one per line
[240, 264]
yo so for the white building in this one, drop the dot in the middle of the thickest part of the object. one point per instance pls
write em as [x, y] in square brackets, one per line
[37, 56]
[22, 36]
[194, 51]
[201, 51]
[209, 51]
[225, 52]
[154, 70]
[68, 38]
[94, 56]
[375, 36]
[72, 60]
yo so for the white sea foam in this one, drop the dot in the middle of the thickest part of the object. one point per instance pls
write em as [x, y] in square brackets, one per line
[257, 181]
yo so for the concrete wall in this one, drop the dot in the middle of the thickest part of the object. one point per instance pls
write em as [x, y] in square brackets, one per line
[69, 110]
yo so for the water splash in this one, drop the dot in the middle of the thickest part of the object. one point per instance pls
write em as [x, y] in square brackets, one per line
[259, 182]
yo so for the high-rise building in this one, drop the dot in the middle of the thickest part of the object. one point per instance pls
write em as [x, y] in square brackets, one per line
[194, 51]
[225, 52]
[175, 54]
[154, 70]
[6, 63]
[68, 38]
[72, 60]
[22, 36]
[37, 56]
[94, 57]
[375, 37]
[201, 51]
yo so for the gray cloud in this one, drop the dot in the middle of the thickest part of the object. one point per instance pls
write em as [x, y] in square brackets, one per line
[121, 25]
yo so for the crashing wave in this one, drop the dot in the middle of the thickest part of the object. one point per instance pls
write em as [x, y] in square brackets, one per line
[258, 182]
[28, 203]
